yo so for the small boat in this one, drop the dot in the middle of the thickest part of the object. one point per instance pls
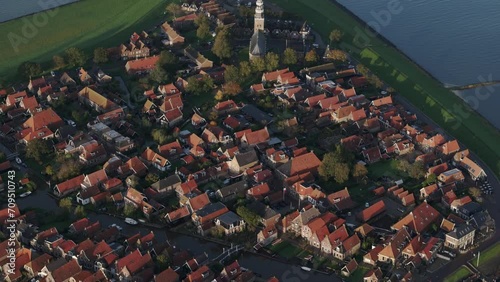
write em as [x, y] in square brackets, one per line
[305, 268]
[141, 220]
[130, 221]
[25, 194]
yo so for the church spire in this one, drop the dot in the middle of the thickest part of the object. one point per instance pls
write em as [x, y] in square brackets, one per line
[259, 16]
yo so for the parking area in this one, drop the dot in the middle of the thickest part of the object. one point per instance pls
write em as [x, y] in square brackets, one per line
[486, 188]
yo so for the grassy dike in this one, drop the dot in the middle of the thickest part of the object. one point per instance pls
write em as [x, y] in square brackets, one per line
[86, 24]
[397, 70]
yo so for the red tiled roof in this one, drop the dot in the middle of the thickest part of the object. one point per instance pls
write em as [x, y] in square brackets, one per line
[372, 211]
[42, 119]
[256, 137]
[178, 213]
[199, 201]
[139, 65]
[168, 275]
[66, 271]
[419, 219]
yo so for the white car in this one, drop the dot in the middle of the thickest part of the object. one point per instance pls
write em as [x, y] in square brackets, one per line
[130, 221]
[117, 226]
[25, 194]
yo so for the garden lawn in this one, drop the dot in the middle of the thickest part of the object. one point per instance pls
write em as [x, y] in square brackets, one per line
[412, 82]
[358, 274]
[458, 275]
[86, 24]
[286, 250]
[491, 254]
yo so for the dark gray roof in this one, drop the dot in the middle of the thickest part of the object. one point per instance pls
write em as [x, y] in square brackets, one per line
[258, 44]
[246, 158]
[210, 208]
[470, 208]
[229, 218]
[234, 188]
[166, 182]
[65, 131]
[262, 210]
[460, 231]
[256, 114]
[480, 219]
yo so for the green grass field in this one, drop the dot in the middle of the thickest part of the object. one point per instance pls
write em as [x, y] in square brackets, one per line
[408, 79]
[488, 260]
[86, 24]
[458, 275]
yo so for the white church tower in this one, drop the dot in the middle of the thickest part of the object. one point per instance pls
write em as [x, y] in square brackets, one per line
[258, 40]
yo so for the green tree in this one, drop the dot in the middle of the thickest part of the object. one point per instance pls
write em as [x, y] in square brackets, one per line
[29, 69]
[258, 64]
[336, 165]
[160, 136]
[251, 218]
[49, 170]
[100, 55]
[432, 178]
[168, 61]
[158, 75]
[245, 69]
[203, 24]
[80, 118]
[417, 170]
[58, 61]
[80, 212]
[38, 149]
[152, 178]
[75, 56]
[335, 36]
[362, 69]
[162, 261]
[3, 158]
[272, 61]
[337, 55]
[67, 169]
[232, 74]
[173, 9]
[222, 45]
[231, 88]
[289, 57]
[198, 86]
[375, 81]
[129, 210]
[66, 204]
[311, 57]
[359, 171]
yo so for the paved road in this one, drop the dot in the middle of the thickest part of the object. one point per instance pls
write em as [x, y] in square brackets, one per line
[491, 202]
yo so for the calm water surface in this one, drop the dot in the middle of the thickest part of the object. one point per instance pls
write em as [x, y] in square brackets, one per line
[11, 9]
[456, 41]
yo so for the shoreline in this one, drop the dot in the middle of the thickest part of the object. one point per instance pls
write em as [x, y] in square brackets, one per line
[385, 40]
[420, 67]
[40, 11]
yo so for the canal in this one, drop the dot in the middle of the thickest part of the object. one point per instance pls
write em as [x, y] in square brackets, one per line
[264, 266]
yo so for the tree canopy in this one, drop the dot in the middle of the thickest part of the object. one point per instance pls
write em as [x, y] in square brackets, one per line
[311, 57]
[336, 165]
[222, 45]
[38, 149]
[203, 23]
[75, 56]
[289, 57]
[335, 36]
[198, 86]
[29, 69]
[272, 61]
[100, 55]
